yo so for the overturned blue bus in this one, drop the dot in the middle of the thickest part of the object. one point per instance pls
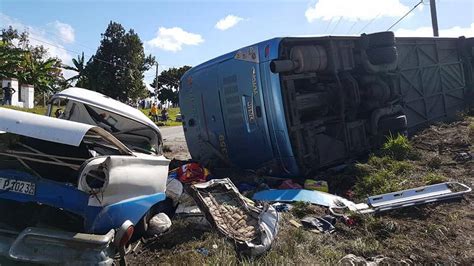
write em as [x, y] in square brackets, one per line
[291, 106]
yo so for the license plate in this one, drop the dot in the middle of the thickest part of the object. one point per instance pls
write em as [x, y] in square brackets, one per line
[17, 186]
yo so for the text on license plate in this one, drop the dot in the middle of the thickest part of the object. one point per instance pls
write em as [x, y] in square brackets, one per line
[17, 186]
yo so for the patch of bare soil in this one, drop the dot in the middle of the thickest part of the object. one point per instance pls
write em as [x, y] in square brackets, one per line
[433, 233]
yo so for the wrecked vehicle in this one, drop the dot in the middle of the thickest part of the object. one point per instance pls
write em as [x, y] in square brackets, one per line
[73, 191]
[291, 106]
[127, 124]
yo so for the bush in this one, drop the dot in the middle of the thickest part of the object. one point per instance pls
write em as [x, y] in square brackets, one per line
[398, 147]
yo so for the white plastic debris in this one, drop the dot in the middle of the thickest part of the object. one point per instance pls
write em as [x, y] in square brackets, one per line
[159, 224]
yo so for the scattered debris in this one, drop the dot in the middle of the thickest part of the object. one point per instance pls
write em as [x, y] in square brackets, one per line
[158, 224]
[463, 157]
[295, 223]
[352, 259]
[192, 173]
[323, 224]
[316, 185]
[203, 251]
[378, 203]
[282, 207]
[294, 195]
[253, 228]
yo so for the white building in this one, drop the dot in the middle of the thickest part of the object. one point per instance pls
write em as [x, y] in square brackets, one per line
[22, 97]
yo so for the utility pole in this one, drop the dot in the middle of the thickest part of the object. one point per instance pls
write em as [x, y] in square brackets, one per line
[156, 77]
[434, 18]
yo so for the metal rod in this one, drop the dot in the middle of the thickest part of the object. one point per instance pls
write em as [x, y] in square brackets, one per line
[434, 18]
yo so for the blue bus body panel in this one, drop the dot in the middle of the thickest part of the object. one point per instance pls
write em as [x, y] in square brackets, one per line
[233, 109]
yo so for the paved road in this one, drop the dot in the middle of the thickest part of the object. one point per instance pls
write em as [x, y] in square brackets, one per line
[173, 137]
[172, 133]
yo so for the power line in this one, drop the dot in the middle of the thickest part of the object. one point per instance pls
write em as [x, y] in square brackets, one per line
[59, 36]
[337, 24]
[370, 22]
[352, 27]
[175, 82]
[327, 27]
[72, 51]
[76, 52]
[419, 3]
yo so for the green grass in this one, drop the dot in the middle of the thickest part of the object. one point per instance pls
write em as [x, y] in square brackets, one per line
[172, 112]
[434, 178]
[41, 110]
[381, 175]
[398, 147]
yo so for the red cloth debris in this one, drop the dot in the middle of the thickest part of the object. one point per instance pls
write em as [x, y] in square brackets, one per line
[192, 173]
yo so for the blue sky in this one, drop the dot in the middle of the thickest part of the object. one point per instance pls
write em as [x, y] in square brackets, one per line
[189, 32]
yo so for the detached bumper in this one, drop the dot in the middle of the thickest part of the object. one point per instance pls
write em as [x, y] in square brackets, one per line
[48, 246]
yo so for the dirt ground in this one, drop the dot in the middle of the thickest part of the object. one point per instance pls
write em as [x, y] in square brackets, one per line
[433, 233]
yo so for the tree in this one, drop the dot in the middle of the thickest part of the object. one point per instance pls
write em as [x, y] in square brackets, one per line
[117, 69]
[80, 67]
[10, 56]
[10, 60]
[44, 74]
[29, 64]
[168, 84]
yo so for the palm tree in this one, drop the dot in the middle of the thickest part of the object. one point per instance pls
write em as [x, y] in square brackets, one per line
[80, 68]
[42, 74]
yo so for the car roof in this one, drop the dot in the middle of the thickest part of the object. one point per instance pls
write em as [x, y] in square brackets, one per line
[106, 103]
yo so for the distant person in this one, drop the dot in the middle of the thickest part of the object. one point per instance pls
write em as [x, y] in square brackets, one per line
[164, 114]
[154, 112]
[7, 94]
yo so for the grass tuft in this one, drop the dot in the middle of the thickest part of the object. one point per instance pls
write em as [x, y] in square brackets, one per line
[434, 178]
[397, 147]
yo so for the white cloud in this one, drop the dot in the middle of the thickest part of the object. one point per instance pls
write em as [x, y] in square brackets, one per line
[356, 10]
[228, 22]
[64, 31]
[428, 32]
[173, 39]
[37, 37]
